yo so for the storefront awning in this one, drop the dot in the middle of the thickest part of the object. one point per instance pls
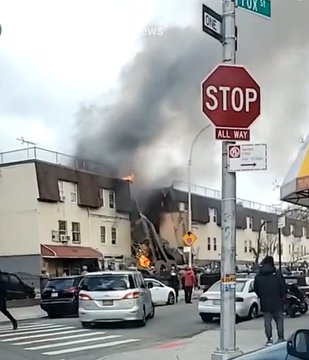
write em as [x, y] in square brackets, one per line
[295, 187]
[69, 252]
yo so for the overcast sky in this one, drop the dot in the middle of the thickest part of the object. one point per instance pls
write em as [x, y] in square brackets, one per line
[57, 55]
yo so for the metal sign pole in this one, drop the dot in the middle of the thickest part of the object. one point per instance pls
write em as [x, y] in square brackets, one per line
[227, 349]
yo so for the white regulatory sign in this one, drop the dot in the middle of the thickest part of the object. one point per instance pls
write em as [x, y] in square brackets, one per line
[212, 23]
[247, 157]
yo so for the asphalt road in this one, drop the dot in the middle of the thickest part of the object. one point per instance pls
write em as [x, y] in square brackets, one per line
[64, 338]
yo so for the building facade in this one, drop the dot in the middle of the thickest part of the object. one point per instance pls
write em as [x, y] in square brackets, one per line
[167, 208]
[60, 217]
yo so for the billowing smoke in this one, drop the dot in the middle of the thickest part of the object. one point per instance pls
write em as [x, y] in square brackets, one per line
[148, 129]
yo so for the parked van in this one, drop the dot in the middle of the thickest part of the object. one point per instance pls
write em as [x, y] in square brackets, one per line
[115, 296]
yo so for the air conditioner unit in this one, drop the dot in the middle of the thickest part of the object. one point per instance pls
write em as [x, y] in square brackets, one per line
[55, 235]
[64, 238]
[182, 207]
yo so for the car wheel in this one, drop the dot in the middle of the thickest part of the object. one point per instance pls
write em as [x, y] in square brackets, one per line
[206, 317]
[142, 322]
[86, 324]
[253, 312]
[171, 299]
[152, 312]
[304, 309]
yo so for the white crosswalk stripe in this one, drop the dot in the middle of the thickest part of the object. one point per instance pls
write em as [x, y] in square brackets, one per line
[59, 339]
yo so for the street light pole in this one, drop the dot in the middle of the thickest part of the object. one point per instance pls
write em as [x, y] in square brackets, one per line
[189, 187]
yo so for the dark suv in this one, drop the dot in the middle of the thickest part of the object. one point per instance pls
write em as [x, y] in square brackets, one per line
[16, 289]
[60, 296]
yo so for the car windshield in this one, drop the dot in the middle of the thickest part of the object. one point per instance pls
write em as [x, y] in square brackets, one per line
[60, 284]
[109, 282]
[239, 286]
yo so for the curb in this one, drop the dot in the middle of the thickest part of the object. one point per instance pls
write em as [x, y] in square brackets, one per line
[12, 304]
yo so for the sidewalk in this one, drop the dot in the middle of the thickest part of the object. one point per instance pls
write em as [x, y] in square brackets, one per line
[25, 313]
[250, 336]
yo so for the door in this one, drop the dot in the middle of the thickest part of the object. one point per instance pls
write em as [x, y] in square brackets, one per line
[16, 288]
[146, 294]
[158, 293]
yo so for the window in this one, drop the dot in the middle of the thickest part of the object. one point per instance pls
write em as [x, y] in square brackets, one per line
[215, 244]
[61, 191]
[111, 199]
[304, 231]
[290, 249]
[182, 206]
[305, 250]
[250, 245]
[302, 250]
[62, 227]
[76, 232]
[208, 244]
[246, 246]
[103, 234]
[74, 194]
[114, 235]
[101, 194]
[292, 228]
[251, 287]
[213, 215]
[109, 282]
[155, 283]
[249, 222]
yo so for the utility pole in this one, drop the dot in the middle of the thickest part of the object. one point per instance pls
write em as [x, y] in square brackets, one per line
[228, 349]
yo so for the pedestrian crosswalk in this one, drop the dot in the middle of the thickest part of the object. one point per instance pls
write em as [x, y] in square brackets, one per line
[56, 339]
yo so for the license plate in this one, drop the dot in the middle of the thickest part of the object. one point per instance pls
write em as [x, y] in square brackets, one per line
[216, 302]
[54, 294]
[107, 302]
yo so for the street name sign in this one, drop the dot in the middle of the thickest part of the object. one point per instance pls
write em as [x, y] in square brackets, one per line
[212, 24]
[247, 157]
[189, 238]
[259, 7]
[231, 99]
[281, 222]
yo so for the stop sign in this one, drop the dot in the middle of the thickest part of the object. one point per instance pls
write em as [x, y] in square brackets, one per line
[231, 97]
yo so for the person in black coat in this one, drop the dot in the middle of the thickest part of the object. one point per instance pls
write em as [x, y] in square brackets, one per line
[3, 308]
[174, 281]
[270, 287]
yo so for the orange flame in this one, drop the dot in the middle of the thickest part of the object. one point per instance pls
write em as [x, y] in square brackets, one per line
[129, 178]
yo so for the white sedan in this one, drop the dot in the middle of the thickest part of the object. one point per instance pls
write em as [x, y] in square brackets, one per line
[161, 293]
[247, 302]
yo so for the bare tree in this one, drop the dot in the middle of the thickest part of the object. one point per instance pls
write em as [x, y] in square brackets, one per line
[266, 245]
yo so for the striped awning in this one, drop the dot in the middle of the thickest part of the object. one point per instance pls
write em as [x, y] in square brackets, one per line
[295, 187]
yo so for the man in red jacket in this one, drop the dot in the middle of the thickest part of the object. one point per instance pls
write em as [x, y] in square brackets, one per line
[189, 281]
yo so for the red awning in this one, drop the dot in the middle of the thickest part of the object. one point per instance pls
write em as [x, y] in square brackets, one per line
[69, 252]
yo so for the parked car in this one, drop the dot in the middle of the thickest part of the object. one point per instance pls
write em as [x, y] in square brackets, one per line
[247, 302]
[60, 296]
[161, 293]
[115, 296]
[296, 348]
[16, 288]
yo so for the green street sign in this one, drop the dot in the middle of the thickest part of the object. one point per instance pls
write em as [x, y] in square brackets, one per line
[259, 7]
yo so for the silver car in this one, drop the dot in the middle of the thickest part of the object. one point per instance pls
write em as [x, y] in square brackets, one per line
[114, 296]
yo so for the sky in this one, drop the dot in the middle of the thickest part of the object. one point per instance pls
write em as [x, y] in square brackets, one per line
[89, 77]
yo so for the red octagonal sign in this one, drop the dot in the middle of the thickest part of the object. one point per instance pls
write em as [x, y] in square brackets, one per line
[231, 97]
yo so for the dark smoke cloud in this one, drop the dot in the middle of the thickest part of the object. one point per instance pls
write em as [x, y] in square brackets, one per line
[157, 112]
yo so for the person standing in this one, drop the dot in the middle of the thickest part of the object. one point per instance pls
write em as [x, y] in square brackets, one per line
[189, 282]
[270, 287]
[84, 270]
[3, 307]
[174, 281]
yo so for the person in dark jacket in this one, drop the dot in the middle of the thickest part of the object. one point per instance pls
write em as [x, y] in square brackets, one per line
[174, 281]
[3, 308]
[270, 287]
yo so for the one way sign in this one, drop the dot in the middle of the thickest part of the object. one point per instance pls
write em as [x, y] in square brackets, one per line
[212, 24]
